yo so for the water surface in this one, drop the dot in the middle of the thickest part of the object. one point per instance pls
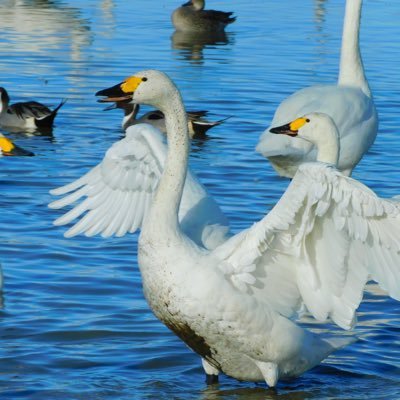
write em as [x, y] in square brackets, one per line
[74, 323]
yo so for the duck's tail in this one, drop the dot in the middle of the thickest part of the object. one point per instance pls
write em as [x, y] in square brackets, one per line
[48, 120]
[200, 127]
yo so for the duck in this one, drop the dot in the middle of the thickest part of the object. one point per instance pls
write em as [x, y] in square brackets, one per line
[191, 17]
[197, 124]
[350, 103]
[9, 148]
[26, 115]
[236, 305]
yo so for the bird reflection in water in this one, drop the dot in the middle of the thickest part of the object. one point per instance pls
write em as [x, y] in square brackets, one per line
[191, 44]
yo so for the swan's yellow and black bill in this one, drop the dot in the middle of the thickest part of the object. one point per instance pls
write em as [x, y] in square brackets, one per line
[8, 148]
[291, 129]
[122, 91]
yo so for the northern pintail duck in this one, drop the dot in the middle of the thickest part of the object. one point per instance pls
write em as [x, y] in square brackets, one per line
[25, 115]
[191, 17]
[197, 124]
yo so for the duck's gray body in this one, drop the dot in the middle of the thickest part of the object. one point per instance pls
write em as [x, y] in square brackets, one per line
[197, 124]
[191, 17]
[28, 114]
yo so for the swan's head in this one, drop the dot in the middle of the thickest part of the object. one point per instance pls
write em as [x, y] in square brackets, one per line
[146, 87]
[313, 127]
[317, 128]
[8, 148]
[196, 4]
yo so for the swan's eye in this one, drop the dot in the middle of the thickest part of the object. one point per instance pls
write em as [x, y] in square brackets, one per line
[144, 79]
[307, 120]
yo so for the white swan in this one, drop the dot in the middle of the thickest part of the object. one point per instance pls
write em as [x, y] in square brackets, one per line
[127, 179]
[27, 114]
[349, 103]
[234, 305]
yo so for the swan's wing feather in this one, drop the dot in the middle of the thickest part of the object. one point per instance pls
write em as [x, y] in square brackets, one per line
[116, 192]
[116, 195]
[318, 247]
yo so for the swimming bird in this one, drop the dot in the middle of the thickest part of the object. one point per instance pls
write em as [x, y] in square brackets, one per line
[349, 103]
[235, 304]
[191, 17]
[27, 115]
[9, 148]
[197, 124]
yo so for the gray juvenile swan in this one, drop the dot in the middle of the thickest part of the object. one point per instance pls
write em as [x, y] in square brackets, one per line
[191, 17]
[235, 304]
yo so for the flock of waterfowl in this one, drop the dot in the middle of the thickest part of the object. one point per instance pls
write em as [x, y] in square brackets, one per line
[234, 298]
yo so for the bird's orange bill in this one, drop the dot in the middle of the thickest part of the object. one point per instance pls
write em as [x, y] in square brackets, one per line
[8, 148]
[120, 92]
[291, 129]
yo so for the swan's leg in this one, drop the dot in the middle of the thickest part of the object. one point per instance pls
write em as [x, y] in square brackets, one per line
[269, 371]
[211, 372]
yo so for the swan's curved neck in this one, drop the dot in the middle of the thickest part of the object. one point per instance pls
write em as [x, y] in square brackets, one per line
[328, 146]
[165, 206]
[351, 72]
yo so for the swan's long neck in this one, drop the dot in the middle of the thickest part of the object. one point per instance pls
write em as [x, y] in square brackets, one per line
[351, 72]
[164, 210]
[328, 146]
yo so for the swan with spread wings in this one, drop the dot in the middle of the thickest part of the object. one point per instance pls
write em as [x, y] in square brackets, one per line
[235, 304]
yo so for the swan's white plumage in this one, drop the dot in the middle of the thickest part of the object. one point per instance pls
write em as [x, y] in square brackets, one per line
[349, 104]
[333, 232]
[315, 250]
[118, 193]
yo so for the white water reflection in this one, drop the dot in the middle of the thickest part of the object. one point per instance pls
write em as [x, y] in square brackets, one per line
[43, 27]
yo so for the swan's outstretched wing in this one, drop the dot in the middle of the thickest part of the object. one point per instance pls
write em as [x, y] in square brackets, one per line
[117, 193]
[318, 247]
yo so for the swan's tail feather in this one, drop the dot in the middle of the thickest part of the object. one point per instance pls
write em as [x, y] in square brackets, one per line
[338, 343]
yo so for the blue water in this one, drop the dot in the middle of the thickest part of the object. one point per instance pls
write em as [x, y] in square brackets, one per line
[74, 323]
